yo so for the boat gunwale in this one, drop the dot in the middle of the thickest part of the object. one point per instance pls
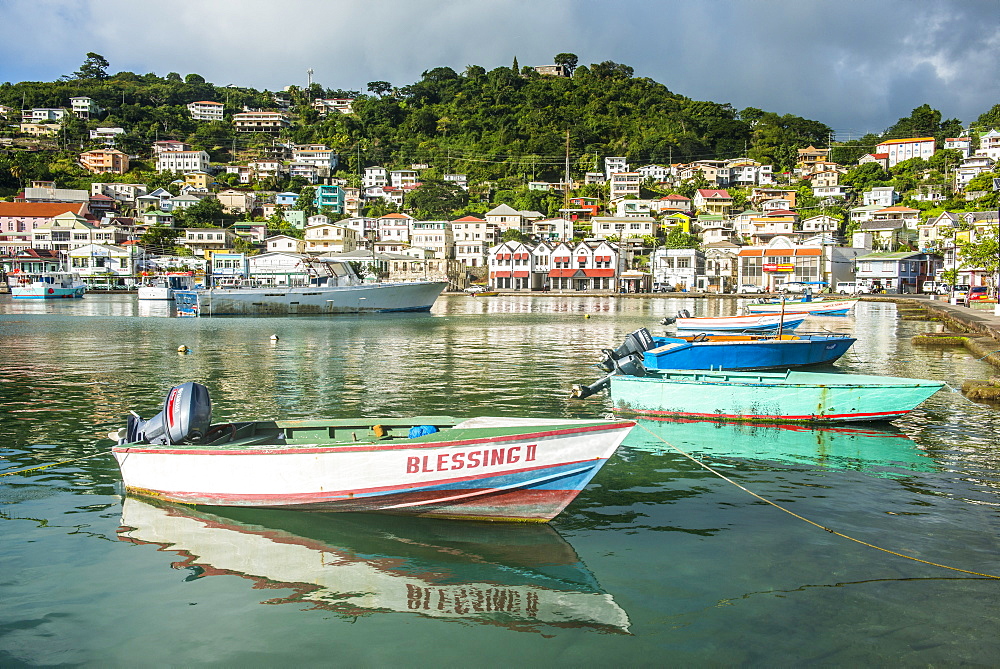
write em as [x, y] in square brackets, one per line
[431, 441]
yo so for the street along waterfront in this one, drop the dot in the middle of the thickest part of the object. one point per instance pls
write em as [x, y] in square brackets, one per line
[656, 560]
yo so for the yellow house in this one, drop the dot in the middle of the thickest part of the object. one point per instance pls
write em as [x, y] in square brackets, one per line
[673, 220]
[199, 180]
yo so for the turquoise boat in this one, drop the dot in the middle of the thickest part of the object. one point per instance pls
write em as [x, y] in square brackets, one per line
[770, 397]
[791, 396]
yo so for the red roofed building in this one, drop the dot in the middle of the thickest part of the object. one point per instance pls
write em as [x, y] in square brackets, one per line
[19, 219]
[713, 201]
[879, 158]
[473, 238]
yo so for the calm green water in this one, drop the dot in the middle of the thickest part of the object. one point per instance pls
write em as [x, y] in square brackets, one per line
[656, 562]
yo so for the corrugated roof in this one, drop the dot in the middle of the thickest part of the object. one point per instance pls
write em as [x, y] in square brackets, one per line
[39, 209]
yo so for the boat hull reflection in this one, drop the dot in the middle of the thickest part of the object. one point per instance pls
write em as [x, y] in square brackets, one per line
[843, 447]
[525, 577]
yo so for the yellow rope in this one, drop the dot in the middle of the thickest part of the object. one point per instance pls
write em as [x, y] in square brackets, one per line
[792, 513]
[53, 464]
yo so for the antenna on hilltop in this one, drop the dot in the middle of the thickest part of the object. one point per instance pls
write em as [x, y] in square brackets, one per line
[309, 82]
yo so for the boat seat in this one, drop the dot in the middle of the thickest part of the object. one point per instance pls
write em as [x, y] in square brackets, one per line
[666, 347]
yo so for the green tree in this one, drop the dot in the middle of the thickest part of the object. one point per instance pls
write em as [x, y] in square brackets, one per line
[435, 199]
[159, 239]
[306, 201]
[678, 239]
[567, 60]
[981, 253]
[95, 66]
[206, 213]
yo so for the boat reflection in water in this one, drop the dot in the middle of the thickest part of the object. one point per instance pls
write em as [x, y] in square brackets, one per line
[882, 451]
[524, 577]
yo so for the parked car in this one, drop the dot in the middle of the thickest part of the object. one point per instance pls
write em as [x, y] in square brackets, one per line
[749, 288]
[935, 287]
[476, 288]
[977, 294]
[851, 288]
[663, 288]
[961, 290]
[793, 287]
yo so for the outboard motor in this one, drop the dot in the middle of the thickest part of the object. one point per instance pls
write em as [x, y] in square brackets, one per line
[186, 417]
[636, 342]
[630, 365]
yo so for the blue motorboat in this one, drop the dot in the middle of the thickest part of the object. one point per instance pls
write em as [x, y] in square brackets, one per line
[734, 352]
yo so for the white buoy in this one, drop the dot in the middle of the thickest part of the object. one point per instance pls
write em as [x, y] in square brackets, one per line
[274, 337]
[182, 349]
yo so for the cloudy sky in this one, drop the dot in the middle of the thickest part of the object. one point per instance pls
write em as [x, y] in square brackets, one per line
[857, 65]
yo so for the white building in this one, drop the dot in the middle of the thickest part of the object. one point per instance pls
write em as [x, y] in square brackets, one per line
[84, 107]
[403, 178]
[182, 161]
[107, 135]
[904, 149]
[315, 154]
[625, 185]
[375, 177]
[613, 164]
[206, 110]
[989, 144]
[677, 267]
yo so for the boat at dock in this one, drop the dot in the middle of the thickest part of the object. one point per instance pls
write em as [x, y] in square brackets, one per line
[736, 352]
[745, 323]
[484, 468]
[790, 396]
[337, 289]
[525, 577]
[45, 285]
[807, 306]
[163, 286]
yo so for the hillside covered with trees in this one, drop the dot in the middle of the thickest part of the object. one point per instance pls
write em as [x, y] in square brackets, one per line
[502, 127]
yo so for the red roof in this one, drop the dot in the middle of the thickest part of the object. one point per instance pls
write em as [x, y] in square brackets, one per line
[468, 219]
[710, 192]
[599, 272]
[675, 196]
[39, 209]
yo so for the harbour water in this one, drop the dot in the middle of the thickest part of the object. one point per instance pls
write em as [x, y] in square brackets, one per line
[657, 561]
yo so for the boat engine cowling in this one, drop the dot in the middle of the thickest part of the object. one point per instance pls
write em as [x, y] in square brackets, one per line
[186, 417]
[635, 342]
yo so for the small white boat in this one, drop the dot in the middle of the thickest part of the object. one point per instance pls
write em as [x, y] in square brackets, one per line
[814, 307]
[45, 285]
[509, 469]
[163, 287]
[751, 322]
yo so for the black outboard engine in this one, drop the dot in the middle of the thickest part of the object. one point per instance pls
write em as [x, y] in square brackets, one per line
[186, 417]
[636, 342]
[670, 320]
[631, 365]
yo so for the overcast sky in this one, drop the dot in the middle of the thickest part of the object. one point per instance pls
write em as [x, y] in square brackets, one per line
[856, 65]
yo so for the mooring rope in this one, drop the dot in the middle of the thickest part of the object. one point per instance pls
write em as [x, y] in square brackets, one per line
[53, 464]
[802, 518]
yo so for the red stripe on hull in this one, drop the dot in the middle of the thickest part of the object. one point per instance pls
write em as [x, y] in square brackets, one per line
[884, 415]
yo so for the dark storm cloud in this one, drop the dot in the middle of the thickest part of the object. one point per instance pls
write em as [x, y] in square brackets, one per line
[857, 66]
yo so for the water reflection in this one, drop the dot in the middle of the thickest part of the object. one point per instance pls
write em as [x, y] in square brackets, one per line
[876, 449]
[521, 577]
